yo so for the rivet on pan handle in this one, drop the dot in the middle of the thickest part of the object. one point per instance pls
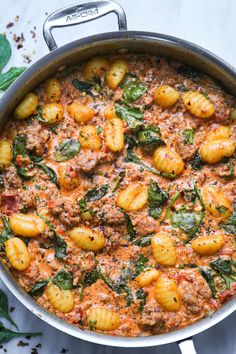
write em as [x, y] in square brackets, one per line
[186, 346]
[82, 12]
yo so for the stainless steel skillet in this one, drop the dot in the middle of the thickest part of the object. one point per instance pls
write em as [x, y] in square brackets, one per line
[79, 50]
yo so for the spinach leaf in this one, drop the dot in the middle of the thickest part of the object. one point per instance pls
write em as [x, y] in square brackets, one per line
[225, 266]
[91, 277]
[187, 136]
[140, 264]
[150, 137]
[131, 115]
[4, 311]
[5, 51]
[197, 163]
[168, 210]
[120, 179]
[19, 146]
[6, 334]
[83, 86]
[132, 157]
[131, 141]
[133, 89]
[141, 295]
[39, 115]
[230, 173]
[50, 172]
[67, 149]
[156, 198]
[142, 241]
[193, 194]
[230, 226]
[6, 79]
[129, 226]
[208, 275]
[96, 193]
[38, 288]
[188, 222]
[6, 231]
[59, 244]
[64, 280]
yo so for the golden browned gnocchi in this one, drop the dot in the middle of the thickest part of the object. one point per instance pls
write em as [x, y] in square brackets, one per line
[88, 239]
[117, 181]
[134, 197]
[198, 104]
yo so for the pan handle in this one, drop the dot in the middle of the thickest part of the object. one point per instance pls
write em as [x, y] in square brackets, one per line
[82, 12]
[186, 346]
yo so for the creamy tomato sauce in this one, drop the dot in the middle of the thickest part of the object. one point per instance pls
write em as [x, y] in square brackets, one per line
[74, 185]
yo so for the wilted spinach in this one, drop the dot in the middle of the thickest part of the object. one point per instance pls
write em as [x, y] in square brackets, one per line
[208, 275]
[129, 226]
[64, 280]
[38, 288]
[90, 278]
[131, 115]
[1, 181]
[150, 137]
[83, 86]
[121, 176]
[6, 231]
[187, 136]
[132, 157]
[50, 172]
[156, 198]
[230, 225]
[96, 193]
[133, 89]
[141, 296]
[67, 149]
[197, 163]
[188, 222]
[142, 241]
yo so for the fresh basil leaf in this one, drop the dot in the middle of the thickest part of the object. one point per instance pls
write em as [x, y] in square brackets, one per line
[129, 226]
[131, 115]
[4, 311]
[150, 136]
[6, 334]
[120, 179]
[156, 198]
[6, 231]
[64, 280]
[188, 222]
[50, 172]
[132, 157]
[5, 51]
[6, 79]
[91, 277]
[208, 275]
[230, 225]
[83, 86]
[197, 163]
[38, 288]
[96, 193]
[133, 89]
[67, 149]
[187, 136]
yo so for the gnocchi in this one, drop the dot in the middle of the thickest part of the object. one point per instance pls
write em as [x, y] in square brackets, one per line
[163, 249]
[216, 203]
[110, 112]
[52, 112]
[167, 161]
[17, 253]
[95, 67]
[221, 132]
[198, 104]
[214, 150]
[134, 197]
[26, 107]
[88, 239]
[68, 178]
[5, 153]
[116, 73]
[103, 319]
[81, 113]
[27, 225]
[114, 134]
[167, 294]
[147, 277]
[208, 245]
[62, 300]
[166, 96]
[89, 138]
[53, 90]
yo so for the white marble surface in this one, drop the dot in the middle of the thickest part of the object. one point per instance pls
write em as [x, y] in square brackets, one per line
[210, 24]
